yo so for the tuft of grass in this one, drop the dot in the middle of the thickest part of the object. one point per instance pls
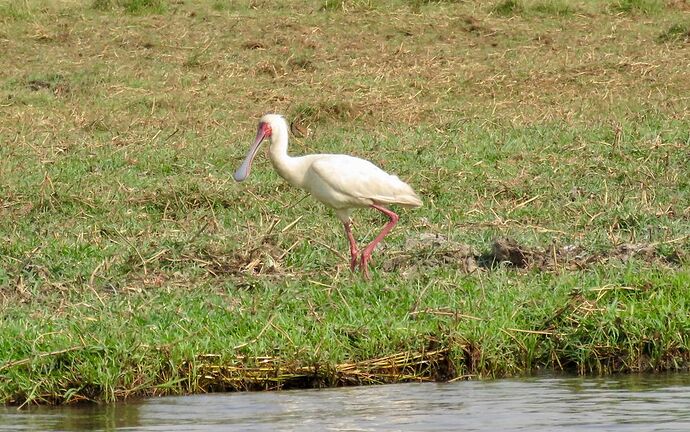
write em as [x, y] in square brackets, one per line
[348, 5]
[508, 7]
[145, 6]
[519, 7]
[638, 6]
[102, 5]
[325, 111]
[679, 32]
[558, 8]
[220, 5]
[13, 11]
[194, 59]
[134, 7]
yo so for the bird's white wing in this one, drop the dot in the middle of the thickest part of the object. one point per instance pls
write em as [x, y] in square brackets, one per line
[345, 181]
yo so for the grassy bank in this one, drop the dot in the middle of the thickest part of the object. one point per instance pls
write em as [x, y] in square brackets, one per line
[131, 264]
[302, 333]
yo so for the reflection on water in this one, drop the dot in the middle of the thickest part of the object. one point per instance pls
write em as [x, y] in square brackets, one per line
[622, 403]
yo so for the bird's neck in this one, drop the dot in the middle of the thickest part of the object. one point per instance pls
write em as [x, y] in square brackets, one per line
[289, 168]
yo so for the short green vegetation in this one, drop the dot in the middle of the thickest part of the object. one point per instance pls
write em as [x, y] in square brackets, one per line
[550, 142]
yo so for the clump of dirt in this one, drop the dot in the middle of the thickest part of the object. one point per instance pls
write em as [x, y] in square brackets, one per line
[36, 85]
[57, 85]
[435, 250]
[472, 25]
[509, 251]
[253, 45]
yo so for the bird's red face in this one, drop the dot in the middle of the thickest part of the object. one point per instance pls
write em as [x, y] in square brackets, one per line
[264, 131]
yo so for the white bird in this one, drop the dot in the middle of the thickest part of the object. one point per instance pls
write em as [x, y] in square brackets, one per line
[339, 181]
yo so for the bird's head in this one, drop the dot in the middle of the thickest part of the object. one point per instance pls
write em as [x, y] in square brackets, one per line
[268, 125]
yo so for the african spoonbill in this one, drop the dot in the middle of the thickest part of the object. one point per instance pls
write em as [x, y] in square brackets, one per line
[339, 181]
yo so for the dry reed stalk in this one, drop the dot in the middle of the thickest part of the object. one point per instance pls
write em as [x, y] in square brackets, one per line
[270, 371]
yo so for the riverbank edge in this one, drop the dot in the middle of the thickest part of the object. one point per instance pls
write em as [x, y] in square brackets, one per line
[210, 373]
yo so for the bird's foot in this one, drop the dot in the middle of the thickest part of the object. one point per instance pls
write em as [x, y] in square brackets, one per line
[353, 262]
[364, 265]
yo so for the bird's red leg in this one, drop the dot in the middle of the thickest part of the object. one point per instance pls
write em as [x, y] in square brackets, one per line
[353, 245]
[366, 253]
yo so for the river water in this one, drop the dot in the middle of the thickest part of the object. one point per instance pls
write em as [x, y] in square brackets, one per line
[619, 403]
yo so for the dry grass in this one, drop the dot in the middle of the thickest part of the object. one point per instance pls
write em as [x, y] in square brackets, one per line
[196, 68]
[273, 373]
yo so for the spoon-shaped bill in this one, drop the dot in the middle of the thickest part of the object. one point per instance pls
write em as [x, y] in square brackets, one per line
[243, 171]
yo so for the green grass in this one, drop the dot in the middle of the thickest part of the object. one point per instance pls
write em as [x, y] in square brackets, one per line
[107, 346]
[679, 32]
[135, 7]
[539, 8]
[638, 6]
[132, 264]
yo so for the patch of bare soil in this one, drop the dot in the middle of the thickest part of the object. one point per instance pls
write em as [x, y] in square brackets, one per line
[433, 250]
